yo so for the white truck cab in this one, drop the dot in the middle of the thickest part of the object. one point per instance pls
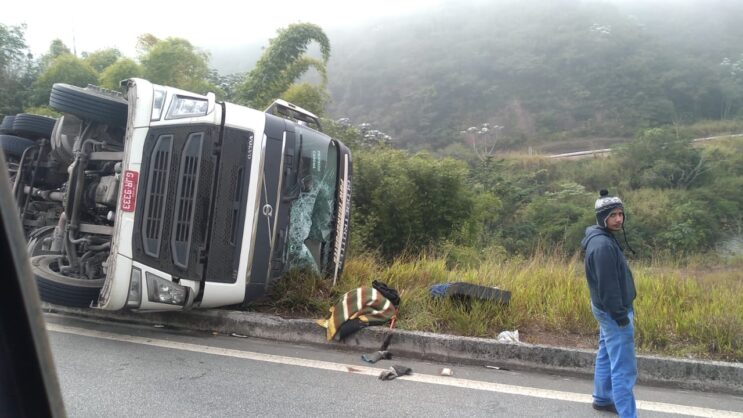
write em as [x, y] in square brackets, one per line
[213, 201]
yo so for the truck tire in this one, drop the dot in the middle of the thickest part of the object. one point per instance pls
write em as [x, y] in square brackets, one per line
[33, 126]
[36, 240]
[89, 104]
[14, 146]
[59, 289]
[6, 127]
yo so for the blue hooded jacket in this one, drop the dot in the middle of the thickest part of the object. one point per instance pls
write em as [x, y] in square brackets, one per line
[609, 277]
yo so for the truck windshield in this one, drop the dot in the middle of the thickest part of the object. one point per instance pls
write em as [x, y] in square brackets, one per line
[312, 212]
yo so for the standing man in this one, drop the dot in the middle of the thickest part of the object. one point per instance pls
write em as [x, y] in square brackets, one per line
[612, 291]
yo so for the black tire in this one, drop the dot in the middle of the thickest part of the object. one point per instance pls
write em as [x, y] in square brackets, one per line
[89, 104]
[59, 289]
[7, 126]
[33, 126]
[14, 146]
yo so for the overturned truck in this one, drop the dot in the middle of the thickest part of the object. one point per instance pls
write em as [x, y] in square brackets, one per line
[168, 200]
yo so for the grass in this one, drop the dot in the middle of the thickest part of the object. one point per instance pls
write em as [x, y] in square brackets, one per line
[687, 310]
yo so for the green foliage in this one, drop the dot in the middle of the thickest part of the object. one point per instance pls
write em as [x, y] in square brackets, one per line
[102, 58]
[406, 202]
[122, 69]
[283, 62]
[227, 85]
[64, 69]
[560, 217]
[311, 97]
[57, 48]
[660, 158]
[175, 62]
[15, 69]
[344, 132]
[43, 111]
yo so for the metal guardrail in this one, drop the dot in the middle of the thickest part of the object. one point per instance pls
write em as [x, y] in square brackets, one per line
[599, 152]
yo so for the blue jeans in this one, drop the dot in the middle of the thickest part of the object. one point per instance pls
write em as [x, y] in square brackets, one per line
[616, 366]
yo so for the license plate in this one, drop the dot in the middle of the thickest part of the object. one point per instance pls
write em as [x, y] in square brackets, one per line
[129, 191]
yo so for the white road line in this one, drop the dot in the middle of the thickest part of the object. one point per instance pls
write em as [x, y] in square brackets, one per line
[371, 371]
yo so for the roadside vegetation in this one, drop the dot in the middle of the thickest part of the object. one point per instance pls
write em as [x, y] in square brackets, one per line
[515, 222]
[691, 310]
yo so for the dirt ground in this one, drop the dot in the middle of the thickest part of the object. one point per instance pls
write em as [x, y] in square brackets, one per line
[536, 336]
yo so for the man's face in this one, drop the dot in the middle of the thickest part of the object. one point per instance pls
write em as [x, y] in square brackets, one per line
[615, 220]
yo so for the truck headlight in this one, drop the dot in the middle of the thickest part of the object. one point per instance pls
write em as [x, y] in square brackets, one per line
[158, 102]
[187, 107]
[164, 291]
[135, 289]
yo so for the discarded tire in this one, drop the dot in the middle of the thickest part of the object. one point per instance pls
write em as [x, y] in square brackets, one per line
[14, 146]
[33, 126]
[89, 104]
[59, 289]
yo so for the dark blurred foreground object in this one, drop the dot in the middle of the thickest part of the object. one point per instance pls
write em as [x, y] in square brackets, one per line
[28, 383]
[466, 292]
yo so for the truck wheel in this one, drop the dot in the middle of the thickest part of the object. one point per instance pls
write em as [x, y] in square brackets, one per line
[36, 239]
[14, 146]
[33, 126]
[6, 127]
[90, 104]
[56, 288]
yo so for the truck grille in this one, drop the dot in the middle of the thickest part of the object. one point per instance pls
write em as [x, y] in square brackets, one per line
[156, 193]
[185, 199]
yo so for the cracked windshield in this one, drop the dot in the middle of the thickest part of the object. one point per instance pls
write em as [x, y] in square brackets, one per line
[311, 216]
[486, 207]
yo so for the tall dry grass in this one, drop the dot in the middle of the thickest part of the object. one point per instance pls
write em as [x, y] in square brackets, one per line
[682, 309]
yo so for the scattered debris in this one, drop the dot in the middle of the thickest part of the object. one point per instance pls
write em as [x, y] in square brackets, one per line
[497, 368]
[447, 372]
[352, 370]
[234, 334]
[359, 308]
[465, 292]
[376, 356]
[511, 337]
[395, 371]
[159, 326]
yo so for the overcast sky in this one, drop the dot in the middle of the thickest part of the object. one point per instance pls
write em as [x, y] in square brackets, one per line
[102, 24]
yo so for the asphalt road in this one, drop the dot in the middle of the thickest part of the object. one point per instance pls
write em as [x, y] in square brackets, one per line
[116, 370]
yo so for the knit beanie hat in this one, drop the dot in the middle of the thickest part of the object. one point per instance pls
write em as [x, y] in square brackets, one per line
[604, 205]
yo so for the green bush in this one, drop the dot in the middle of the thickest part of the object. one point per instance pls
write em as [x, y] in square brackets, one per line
[660, 158]
[403, 202]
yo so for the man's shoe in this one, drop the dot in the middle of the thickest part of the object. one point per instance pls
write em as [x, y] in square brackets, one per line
[608, 407]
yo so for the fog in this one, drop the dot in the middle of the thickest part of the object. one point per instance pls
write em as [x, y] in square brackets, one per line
[86, 25]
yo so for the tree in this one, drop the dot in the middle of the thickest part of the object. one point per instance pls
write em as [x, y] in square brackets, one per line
[57, 48]
[283, 62]
[731, 83]
[309, 96]
[64, 69]
[406, 202]
[15, 68]
[122, 69]
[660, 158]
[145, 42]
[102, 58]
[175, 62]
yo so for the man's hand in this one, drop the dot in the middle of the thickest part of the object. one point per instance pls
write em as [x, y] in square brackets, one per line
[623, 322]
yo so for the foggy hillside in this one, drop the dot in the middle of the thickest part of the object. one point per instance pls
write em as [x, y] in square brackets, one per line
[545, 71]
